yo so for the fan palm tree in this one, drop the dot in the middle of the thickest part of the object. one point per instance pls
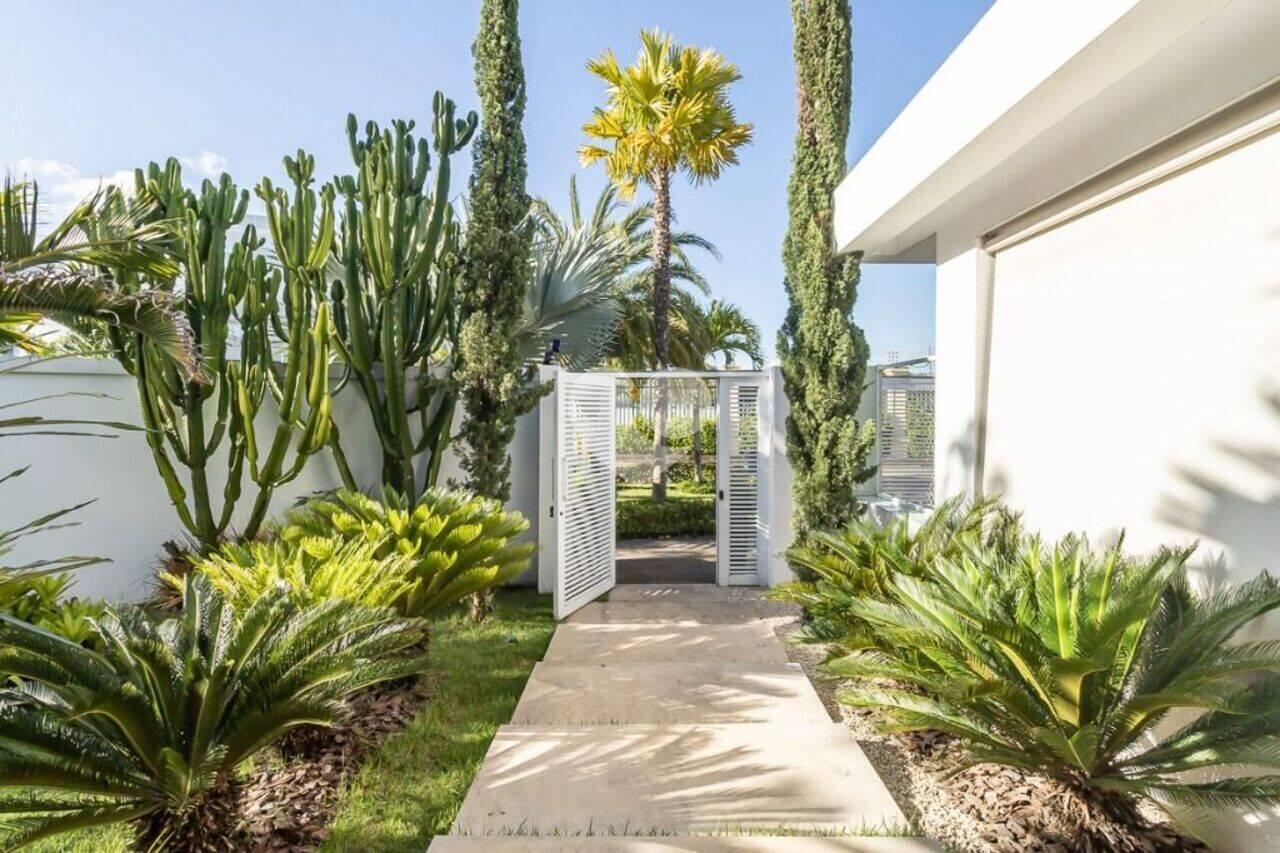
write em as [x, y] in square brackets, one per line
[46, 276]
[668, 112]
[593, 274]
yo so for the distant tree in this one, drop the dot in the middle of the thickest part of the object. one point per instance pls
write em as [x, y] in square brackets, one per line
[823, 352]
[493, 379]
[668, 112]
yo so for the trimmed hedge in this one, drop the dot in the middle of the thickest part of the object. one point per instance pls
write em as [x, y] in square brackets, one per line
[678, 515]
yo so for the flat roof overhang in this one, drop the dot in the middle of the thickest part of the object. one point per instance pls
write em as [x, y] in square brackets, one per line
[1037, 99]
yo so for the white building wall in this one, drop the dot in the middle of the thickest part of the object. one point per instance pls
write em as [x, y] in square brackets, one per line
[1135, 379]
[132, 516]
[956, 345]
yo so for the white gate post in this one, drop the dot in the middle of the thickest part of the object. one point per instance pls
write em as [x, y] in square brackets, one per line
[547, 538]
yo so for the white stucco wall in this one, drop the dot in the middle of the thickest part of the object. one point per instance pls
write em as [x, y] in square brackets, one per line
[1134, 379]
[132, 515]
[956, 348]
[1135, 367]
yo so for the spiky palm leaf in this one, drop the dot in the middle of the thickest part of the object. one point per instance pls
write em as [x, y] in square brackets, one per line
[45, 277]
[70, 296]
[613, 319]
[668, 111]
[862, 559]
[311, 569]
[151, 728]
[455, 542]
[1065, 662]
[572, 297]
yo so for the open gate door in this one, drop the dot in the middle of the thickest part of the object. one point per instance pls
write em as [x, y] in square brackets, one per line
[738, 482]
[585, 493]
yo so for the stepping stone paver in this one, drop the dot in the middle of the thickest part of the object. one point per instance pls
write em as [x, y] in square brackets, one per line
[676, 779]
[612, 694]
[685, 844]
[669, 719]
[665, 642]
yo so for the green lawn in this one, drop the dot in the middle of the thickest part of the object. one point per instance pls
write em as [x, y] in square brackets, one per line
[411, 789]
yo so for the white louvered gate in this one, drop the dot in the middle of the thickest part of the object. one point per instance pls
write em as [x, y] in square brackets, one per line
[585, 491]
[738, 483]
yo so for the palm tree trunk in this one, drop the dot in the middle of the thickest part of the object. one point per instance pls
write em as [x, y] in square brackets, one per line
[661, 258]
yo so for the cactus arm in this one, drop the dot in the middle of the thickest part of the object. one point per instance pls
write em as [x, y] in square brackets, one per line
[155, 441]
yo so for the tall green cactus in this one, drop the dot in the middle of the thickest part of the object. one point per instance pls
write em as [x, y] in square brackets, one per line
[227, 290]
[393, 306]
[302, 234]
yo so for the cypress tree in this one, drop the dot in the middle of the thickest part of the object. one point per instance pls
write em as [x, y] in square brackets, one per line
[494, 383]
[823, 353]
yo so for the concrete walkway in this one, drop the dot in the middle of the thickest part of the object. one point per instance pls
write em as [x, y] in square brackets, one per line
[668, 719]
[676, 560]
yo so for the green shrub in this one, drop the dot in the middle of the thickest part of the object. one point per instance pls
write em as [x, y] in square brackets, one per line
[40, 600]
[837, 566]
[676, 516]
[312, 568]
[151, 729]
[453, 542]
[637, 436]
[1065, 661]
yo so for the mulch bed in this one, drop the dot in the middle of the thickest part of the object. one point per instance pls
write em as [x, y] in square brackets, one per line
[291, 808]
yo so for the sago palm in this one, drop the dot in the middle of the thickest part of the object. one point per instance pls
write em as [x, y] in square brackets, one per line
[668, 112]
[311, 569]
[455, 543]
[151, 729]
[1068, 662]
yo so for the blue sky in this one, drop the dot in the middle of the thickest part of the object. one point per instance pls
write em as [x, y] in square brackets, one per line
[235, 85]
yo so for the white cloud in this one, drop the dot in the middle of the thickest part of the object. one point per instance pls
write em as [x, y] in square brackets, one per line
[63, 186]
[209, 164]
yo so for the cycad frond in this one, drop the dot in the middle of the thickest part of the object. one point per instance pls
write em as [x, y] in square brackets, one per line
[144, 728]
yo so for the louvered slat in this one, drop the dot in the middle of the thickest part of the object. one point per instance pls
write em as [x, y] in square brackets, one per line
[905, 436]
[586, 492]
[740, 541]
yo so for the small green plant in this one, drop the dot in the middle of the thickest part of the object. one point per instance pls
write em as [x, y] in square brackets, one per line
[454, 542]
[312, 569]
[1076, 664]
[862, 559]
[151, 728]
[41, 600]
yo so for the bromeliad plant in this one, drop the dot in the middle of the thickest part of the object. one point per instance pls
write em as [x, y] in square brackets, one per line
[394, 307]
[1074, 663]
[455, 543]
[151, 729]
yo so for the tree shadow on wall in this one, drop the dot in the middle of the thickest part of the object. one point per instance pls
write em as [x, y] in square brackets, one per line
[1213, 505]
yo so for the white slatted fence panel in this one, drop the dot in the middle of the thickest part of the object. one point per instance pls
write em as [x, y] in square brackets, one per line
[740, 511]
[586, 493]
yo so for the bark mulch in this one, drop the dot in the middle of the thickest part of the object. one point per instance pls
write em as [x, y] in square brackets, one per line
[290, 808]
